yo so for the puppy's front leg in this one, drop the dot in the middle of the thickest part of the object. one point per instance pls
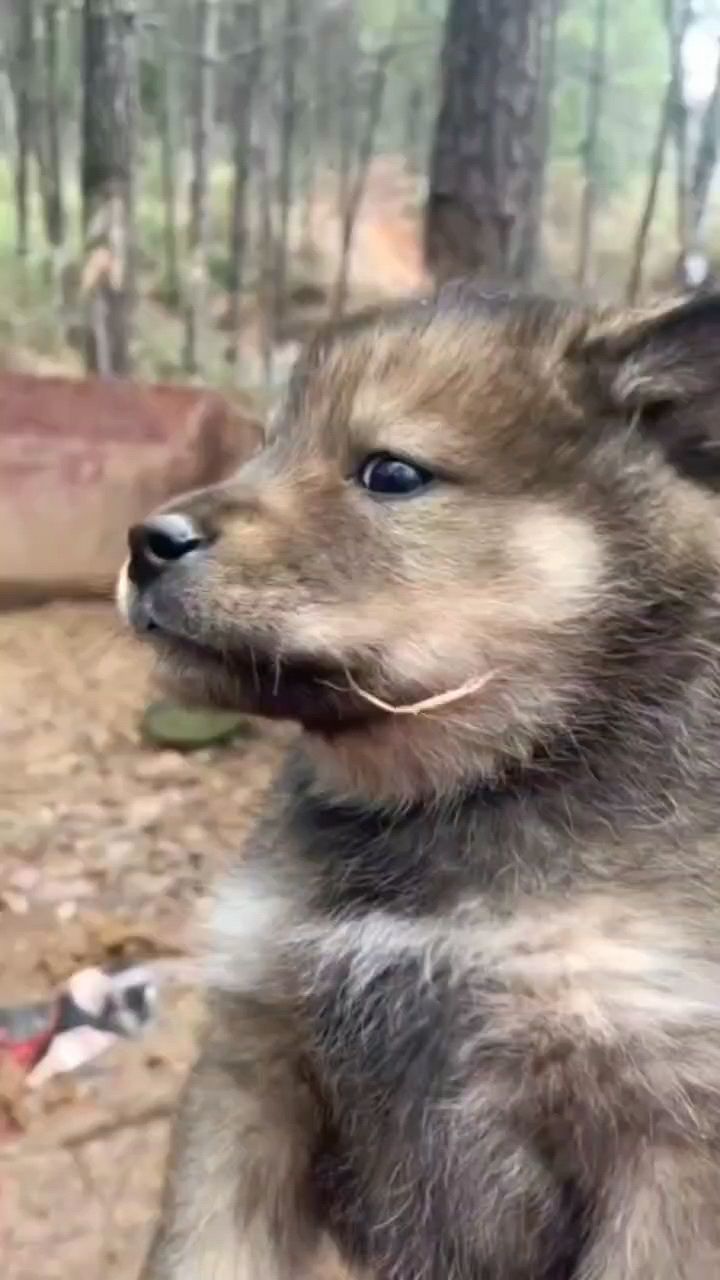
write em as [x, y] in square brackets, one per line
[236, 1204]
[661, 1217]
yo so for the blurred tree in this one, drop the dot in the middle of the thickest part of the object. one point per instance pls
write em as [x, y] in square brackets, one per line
[357, 181]
[705, 162]
[48, 132]
[23, 81]
[595, 104]
[483, 155]
[648, 210]
[165, 106]
[110, 83]
[246, 68]
[678, 15]
[207, 17]
[289, 113]
[636, 46]
[547, 53]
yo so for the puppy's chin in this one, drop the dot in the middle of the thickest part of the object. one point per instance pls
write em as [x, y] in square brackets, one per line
[197, 681]
[308, 691]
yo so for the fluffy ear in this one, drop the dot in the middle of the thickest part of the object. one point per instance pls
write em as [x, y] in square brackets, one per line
[661, 369]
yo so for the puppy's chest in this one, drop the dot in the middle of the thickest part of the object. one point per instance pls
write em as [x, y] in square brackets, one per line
[355, 984]
[384, 1000]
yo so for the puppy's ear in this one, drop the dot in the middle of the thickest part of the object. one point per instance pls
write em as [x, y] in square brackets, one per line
[661, 370]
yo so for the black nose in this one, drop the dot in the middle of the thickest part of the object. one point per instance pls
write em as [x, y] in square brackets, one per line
[158, 542]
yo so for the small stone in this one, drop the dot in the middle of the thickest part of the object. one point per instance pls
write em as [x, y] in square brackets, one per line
[117, 852]
[166, 764]
[25, 879]
[145, 811]
[63, 889]
[15, 902]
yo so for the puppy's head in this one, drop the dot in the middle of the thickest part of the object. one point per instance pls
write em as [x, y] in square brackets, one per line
[477, 488]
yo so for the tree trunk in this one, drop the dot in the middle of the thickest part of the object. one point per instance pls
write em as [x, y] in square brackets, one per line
[109, 113]
[345, 107]
[207, 14]
[168, 161]
[705, 162]
[314, 122]
[356, 190]
[266, 257]
[247, 32]
[648, 213]
[414, 139]
[50, 151]
[595, 102]
[23, 79]
[288, 126]
[482, 160]
[678, 15]
[546, 77]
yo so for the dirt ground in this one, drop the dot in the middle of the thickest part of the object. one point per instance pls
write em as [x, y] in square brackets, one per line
[106, 849]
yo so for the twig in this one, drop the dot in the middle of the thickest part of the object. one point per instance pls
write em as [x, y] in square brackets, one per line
[90, 1133]
[444, 699]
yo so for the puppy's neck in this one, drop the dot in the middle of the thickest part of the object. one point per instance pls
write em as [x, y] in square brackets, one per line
[618, 794]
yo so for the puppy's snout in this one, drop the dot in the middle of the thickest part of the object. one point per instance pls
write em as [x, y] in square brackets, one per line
[159, 542]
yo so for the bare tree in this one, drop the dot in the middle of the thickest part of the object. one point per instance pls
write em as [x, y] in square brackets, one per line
[678, 15]
[346, 53]
[546, 75]
[414, 140]
[595, 102]
[288, 129]
[49, 143]
[313, 121]
[705, 163]
[648, 211]
[265, 290]
[23, 84]
[481, 167]
[246, 71]
[110, 79]
[207, 16]
[356, 189]
[167, 107]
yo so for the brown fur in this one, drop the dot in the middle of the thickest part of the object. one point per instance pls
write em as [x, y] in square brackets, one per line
[464, 1020]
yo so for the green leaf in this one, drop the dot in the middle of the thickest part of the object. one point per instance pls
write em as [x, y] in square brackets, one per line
[167, 724]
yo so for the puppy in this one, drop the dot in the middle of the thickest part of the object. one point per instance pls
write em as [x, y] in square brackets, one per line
[464, 1005]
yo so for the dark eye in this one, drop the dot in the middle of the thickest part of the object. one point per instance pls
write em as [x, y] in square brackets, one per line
[392, 477]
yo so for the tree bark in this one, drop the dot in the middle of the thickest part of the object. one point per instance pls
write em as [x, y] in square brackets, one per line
[247, 32]
[482, 159]
[110, 82]
[207, 15]
[595, 102]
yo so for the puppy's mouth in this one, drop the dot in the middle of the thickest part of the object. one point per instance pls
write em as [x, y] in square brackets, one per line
[315, 693]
